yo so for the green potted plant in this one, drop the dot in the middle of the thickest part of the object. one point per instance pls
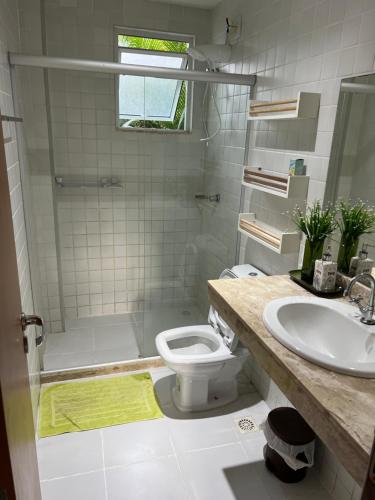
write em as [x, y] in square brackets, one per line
[355, 220]
[316, 224]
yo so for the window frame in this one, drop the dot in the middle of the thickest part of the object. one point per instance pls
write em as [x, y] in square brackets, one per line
[177, 55]
[165, 35]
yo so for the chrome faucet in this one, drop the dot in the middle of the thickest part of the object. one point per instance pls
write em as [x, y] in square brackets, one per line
[367, 312]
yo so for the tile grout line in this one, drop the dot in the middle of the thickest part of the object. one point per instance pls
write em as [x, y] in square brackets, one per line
[244, 450]
[93, 338]
[104, 468]
[189, 489]
[76, 474]
[217, 446]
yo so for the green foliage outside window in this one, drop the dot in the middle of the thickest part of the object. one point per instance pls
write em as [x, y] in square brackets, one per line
[139, 42]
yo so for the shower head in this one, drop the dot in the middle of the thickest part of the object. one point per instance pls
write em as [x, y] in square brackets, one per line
[213, 53]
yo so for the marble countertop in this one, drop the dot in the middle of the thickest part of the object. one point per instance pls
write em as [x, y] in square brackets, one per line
[340, 408]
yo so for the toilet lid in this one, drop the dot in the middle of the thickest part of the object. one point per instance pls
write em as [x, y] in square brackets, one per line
[217, 322]
[221, 327]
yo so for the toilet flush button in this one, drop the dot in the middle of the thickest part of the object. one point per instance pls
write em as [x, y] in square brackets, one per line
[253, 274]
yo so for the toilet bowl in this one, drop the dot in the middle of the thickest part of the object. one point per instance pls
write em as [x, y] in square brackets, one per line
[206, 358]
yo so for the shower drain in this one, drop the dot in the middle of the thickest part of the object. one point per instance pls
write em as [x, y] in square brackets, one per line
[246, 424]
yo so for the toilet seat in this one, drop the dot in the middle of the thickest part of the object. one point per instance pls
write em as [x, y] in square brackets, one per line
[209, 345]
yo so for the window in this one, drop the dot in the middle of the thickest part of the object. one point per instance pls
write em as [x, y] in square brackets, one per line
[145, 102]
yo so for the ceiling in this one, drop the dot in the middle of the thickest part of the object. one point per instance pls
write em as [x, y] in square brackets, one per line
[203, 4]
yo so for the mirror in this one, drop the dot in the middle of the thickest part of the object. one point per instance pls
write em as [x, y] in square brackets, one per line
[351, 173]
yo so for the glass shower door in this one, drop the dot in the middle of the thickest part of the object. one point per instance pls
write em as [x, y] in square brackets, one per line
[172, 226]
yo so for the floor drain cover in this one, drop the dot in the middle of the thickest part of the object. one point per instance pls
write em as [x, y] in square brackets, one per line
[246, 424]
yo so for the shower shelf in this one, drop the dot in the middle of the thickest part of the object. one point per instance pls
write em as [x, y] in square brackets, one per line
[281, 242]
[285, 186]
[305, 105]
[104, 182]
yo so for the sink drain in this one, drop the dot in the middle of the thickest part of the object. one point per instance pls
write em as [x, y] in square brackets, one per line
[246, 424]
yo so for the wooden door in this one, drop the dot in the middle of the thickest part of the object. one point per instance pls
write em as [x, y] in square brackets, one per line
[369, 488]
[19, 478]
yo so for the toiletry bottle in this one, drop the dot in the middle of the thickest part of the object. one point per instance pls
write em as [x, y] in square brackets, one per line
[297, 167]
[365, 264]
[354, 265]
[325, 273]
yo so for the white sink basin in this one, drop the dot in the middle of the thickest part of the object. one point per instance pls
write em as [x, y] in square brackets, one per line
[325, 332]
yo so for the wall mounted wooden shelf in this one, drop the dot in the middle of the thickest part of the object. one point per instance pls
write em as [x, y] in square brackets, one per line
[281, 242]
[285, 186]
[305, 105]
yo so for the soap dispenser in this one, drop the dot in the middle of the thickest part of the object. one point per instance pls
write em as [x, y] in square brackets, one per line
[325, 273]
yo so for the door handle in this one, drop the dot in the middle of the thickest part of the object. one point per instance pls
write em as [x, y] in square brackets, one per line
[32, 319]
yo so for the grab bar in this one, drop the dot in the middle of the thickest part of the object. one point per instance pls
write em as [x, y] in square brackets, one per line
[104, 182]
[211, 197]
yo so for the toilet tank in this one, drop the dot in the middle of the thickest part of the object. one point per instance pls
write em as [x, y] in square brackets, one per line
[246, 271]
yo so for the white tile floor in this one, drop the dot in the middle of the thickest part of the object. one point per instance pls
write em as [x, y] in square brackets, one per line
[116, 337]
[179, 457]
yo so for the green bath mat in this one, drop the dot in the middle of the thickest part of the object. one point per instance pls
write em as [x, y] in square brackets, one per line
[81, 406]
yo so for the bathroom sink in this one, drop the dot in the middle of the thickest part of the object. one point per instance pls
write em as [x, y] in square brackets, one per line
[323, 331]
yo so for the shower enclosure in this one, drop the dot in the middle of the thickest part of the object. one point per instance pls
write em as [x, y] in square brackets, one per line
[122, 248]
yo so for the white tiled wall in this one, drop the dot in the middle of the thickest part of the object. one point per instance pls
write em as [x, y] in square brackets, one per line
[292, 46]
[309, 47]
[9, 41]
[121, 250]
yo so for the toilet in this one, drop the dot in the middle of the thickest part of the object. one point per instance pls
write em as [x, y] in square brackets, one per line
[206, 358]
